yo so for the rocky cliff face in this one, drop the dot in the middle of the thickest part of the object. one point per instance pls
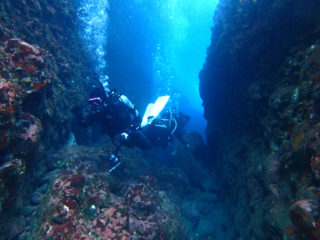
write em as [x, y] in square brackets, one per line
[43, 78]
[260, 90]
[52, 26]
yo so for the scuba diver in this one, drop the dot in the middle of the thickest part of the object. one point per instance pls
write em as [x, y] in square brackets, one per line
[168, 125]
[161, 126]
[117, 117]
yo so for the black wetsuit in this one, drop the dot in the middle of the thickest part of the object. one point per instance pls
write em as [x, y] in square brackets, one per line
[162, 130]
[115, 117]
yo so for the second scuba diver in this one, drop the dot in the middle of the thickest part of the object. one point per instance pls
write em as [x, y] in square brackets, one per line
[119, 119]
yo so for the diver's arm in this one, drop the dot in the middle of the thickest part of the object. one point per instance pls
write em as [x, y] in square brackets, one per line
[124, 99]
[136, 121]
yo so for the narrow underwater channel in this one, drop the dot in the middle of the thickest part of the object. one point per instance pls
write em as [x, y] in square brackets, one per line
[101, 128]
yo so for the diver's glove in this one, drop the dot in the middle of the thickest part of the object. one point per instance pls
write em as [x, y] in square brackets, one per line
[125, 136]
[113, 158]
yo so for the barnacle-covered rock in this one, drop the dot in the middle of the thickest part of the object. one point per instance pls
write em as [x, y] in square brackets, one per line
[30, 128]
[23, 72]
[81, 204]
[23, 65]
[40, 59]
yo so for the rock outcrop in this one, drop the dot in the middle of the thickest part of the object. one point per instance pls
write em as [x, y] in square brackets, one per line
[260, 90]
[87, 202]
[42, 80]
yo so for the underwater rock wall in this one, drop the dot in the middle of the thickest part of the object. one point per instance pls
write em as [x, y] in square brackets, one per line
[260, 90]
[51, 25]
[250, 42]
[43, 78]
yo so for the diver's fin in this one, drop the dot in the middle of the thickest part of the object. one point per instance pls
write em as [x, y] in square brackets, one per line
[153, 110]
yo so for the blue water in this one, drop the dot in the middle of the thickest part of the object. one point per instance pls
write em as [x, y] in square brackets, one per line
[183, 47]
[176, 34]
[93, 18]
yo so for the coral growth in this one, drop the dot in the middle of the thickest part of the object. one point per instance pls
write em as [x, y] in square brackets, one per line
[23, 68]
[31, 129]
[22, 71]
[40, 59]
[82, 206]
